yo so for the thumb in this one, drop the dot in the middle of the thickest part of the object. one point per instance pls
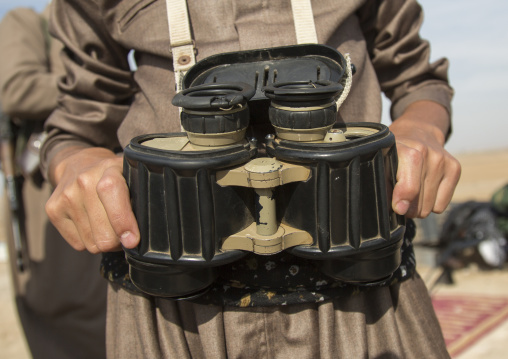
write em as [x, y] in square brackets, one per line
[409, 173]
[114, 195]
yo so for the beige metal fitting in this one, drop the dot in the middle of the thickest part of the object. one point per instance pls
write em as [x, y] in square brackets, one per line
[250, 240]
[263, 172]
[335, 135]
[265, 236]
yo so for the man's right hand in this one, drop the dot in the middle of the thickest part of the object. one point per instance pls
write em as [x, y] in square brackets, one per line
[90, 205]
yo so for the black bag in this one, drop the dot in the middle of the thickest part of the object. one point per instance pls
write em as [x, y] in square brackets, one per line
[470, 235]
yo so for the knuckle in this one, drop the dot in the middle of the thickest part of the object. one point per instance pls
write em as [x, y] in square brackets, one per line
[57, 207]
[440, 161]
[51, 209]
[107, 183]
[65, 201]
[415, 156]
[83, 181]
[424, 150]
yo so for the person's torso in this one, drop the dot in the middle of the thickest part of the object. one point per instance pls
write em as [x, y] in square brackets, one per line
[228, 26]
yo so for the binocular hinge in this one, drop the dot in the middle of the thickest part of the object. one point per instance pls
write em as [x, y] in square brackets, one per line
[265, 236]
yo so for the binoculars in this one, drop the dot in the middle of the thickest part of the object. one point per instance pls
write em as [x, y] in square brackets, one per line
[263, 167]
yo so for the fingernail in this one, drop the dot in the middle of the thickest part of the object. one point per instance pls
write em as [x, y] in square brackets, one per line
[128, 239]
[402, 207]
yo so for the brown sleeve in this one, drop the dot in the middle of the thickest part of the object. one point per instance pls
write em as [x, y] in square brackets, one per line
[27, 87]
[98, 86]
[401, 57]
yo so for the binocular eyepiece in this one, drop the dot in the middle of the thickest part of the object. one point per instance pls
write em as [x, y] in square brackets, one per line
[315, 188]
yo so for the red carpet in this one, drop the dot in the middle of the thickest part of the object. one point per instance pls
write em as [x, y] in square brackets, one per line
[467, 318]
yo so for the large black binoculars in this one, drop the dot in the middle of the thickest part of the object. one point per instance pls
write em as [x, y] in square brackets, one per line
[309, 184]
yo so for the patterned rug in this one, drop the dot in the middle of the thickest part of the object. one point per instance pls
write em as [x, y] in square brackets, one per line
[466, 319]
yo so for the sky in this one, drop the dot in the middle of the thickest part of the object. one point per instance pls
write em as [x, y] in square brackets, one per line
[471, 35]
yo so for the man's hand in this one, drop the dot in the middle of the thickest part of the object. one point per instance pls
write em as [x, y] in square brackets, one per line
[90, 206]
[427, 174]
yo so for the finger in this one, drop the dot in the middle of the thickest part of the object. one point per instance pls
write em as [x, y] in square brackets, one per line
[442, 175]
[79, 217]
[67, 220]
[104, 237]
[85, 232]
[114, 195]
[434, 172]
[61, 222]
[91, 221]
[416, 205]
[447, 185]
[409, 173]
[70, 233]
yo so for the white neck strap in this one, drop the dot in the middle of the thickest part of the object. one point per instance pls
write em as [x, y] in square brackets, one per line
[180, 39]
[304, 22]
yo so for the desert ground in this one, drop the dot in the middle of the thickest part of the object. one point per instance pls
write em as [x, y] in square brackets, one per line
[482, 174]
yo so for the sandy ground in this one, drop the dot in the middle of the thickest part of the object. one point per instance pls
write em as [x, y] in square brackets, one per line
[482, 174]
[12, 342]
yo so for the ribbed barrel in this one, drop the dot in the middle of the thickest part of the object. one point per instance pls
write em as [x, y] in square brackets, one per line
[346, 204]
[182, 213]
